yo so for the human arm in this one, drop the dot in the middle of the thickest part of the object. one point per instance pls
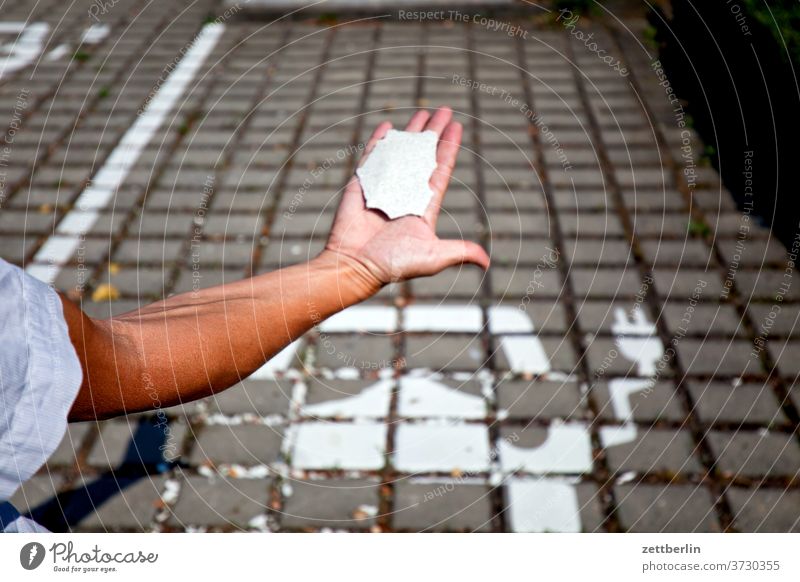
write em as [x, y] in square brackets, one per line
[192, 345]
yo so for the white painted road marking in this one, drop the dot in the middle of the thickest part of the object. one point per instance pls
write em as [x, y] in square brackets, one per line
[58, 250]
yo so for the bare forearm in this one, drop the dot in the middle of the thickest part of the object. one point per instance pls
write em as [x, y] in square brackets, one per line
[191, 345]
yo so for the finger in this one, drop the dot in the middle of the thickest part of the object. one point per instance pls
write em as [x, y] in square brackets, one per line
[450, 253]
[379, 133]
[418, 120]
[446, 154]
[439, 121]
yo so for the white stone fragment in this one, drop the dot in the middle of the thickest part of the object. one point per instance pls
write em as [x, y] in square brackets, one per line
[396, 175]
[443, 318]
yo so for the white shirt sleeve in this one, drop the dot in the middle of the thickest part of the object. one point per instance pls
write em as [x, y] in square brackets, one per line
[40, 376]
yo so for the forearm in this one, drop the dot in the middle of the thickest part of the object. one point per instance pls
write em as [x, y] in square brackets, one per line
[192, 345]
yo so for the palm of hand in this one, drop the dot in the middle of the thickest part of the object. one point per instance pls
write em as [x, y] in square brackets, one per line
[395, 250]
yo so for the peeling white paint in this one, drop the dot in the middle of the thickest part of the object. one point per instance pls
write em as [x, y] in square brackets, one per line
[508, 319]
[442, 448]
[567, 449]
[425, 397]
[443, 318]
[22, 51]
[525, 354]
[337, 445]
[543, 505]
[371, 402]
[611, 436]
[95, 33]
[362, 318]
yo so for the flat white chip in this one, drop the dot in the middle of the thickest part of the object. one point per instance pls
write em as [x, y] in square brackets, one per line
[395, 178]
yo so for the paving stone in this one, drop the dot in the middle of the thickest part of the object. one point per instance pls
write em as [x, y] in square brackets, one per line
[684, 318]
[765, 510]
[441, 506]
[350, 504]
[785, 353]
[764, 284]
[720, 402]
[678, 284]
[459, 282]
[593, 252]
[445, 352]
[540, 399]
[784, 322]
[36, 493]
[605, 282]
[661, 509]
[552, 505]
[261, 397]
[525, 281]
[718, 357]
[148, 441]
[367, 352]
[219, 503]
[242, 444]
[338, 398]
[655, 401]
[70, 445]
[628, 357]
[687, 253]
[755, 454]
[649, 450]
[116, 504]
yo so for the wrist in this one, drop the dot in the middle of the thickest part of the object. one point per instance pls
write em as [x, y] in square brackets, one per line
[353, 279]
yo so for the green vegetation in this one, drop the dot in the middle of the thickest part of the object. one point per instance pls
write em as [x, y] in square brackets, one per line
[103, 92]
[782, 18]
[81, 56]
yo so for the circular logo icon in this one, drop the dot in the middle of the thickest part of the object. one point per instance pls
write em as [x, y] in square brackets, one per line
[31, 555]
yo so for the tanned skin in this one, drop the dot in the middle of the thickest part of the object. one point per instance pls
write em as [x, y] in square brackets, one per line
[195, 344]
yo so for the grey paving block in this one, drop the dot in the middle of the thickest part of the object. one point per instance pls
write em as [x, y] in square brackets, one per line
[656, 401]
[337, 391]
[718, 357]
[445, 352]
[261, 397]
[242, 444]
[333, 503]
[442, 506]
[685, 318]
[138, 442]
[219, 503]
[652, 451]
[36, 492]
[765, 510]
[364, 352]
[540, 399]
[70, 445]
[459, 282]
[610, 283]
[786, 353]
[560, 355]
[784, 322]
[720, 402]
[755, 454]
[666, 508]
[121, 504]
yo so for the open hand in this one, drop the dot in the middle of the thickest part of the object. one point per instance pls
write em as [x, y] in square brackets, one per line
[407, 247]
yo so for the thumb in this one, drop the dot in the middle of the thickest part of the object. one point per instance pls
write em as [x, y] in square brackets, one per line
[457, 252]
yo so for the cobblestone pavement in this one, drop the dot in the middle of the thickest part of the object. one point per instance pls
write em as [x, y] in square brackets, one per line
[629, 362]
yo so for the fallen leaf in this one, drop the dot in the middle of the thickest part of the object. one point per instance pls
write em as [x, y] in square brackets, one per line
[105, 292]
